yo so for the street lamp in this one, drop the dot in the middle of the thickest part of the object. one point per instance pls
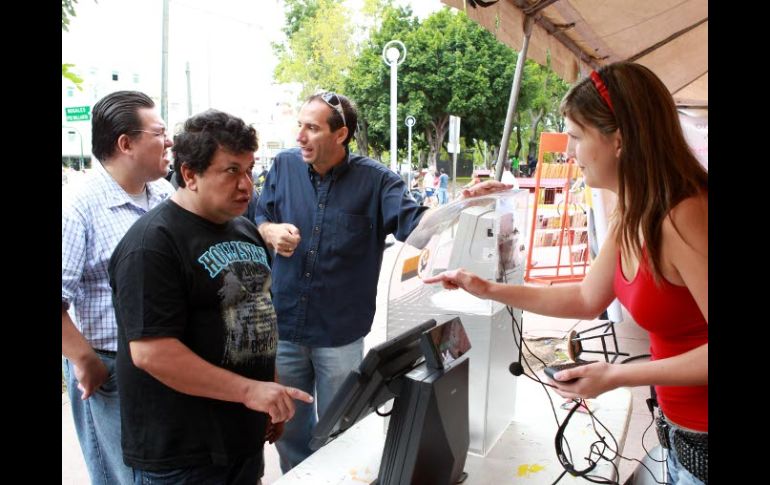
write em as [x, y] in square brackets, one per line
[393, 57]
[71, 130]
[409, 122]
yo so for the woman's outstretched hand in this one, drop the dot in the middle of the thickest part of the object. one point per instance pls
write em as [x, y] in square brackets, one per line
[459, 278]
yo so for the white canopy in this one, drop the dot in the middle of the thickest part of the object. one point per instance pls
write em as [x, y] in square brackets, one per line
[668, 36]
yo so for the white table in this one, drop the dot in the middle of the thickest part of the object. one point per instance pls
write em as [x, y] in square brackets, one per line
[524, 454]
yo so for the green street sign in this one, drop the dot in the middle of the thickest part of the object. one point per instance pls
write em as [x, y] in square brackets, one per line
[78, 113]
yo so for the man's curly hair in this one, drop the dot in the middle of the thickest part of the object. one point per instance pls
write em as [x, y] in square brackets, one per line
[203, 134]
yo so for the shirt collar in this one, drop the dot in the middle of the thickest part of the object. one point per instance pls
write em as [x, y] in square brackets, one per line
[117, 196]
[336, 171]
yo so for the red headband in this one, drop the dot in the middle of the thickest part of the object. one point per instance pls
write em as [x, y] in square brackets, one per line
[602, 88]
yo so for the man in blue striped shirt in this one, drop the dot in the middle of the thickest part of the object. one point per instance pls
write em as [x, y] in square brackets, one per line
[130, 141]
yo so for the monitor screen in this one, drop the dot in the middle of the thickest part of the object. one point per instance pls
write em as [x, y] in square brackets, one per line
[445, 343]
[366, 388]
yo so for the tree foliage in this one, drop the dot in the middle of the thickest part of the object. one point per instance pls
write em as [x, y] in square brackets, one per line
[542, 91]
[297, 13]
[453, 66]
[67, 11]
[74, 78]
[319, 52]
[369, 83]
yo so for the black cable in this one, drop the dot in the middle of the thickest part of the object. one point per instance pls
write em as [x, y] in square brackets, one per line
[591, 478]
[615, 450]
[384, 415]
[515, 326]
[646, 451]
[559, 477]
[560, 442]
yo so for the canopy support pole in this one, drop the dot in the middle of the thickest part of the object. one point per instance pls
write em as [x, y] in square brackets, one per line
[513, 101]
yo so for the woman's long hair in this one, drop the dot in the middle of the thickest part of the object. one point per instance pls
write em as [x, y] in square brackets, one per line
[657, 169]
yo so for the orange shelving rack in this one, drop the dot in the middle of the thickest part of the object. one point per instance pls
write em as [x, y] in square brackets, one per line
[558, 237]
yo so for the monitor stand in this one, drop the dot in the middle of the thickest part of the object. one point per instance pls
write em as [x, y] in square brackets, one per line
[428, 435]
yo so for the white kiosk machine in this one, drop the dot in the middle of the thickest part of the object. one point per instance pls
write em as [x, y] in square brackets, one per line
[483, 235]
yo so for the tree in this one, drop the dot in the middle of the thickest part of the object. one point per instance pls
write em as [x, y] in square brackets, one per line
[369, 82]
[297, 13]
[543, 92]
[452, 66]
[74, 78]
[67, 11]
[320, 50]
[319, 56]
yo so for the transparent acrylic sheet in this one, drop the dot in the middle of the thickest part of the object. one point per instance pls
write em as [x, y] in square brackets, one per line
[430, 235]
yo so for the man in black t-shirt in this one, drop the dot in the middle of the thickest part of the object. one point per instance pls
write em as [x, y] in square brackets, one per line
[196, 324]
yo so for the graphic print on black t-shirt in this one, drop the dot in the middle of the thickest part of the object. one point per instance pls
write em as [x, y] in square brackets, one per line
[245, 302]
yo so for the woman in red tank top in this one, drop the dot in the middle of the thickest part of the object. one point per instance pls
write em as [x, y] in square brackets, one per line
[625, 135]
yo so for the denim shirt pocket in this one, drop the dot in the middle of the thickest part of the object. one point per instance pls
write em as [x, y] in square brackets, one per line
[352, 233]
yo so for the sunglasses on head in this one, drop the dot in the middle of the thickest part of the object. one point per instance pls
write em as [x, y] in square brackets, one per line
[334, 103]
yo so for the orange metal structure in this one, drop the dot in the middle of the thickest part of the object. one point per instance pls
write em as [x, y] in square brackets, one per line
[560, 272]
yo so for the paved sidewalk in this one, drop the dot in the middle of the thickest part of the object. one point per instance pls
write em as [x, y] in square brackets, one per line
[631, 339]
[73, 468]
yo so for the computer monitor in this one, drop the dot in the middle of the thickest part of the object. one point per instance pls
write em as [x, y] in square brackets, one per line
[367, 388]
[428, 433]
[444, 344]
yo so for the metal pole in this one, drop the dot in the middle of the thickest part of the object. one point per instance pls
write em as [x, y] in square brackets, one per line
[409, 150]
[409, 157]
[454, 173]
[164, 67]
[189, 90]
[409, 122]
[393, 117]
[392, 57]
[503, 155]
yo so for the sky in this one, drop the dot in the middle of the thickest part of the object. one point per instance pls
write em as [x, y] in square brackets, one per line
[227, 44]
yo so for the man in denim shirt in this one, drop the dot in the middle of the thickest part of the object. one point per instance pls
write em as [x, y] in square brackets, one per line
[130, 141]
[326, 213]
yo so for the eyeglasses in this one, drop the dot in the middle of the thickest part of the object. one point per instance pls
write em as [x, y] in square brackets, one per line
[334, 102]
[162, 134]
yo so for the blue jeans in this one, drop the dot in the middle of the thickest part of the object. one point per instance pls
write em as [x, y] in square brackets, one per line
[443, 198]
[97, 422]
[678, 474]
[319, 369]
[245, 471]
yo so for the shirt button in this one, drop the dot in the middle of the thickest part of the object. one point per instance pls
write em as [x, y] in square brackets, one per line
[320, 206]
[312, 252]
[316, 229]
[307, 275]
